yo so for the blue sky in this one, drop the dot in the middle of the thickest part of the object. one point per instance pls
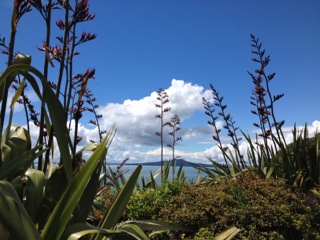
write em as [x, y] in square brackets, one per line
[183, 46]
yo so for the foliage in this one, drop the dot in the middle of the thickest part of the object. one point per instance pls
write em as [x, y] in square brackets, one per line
[56, 202]
[216, 171]
[32, 198]
[205, 233]
[38, 199]
[263, 100]
[178, 177]
[260, 208]
[298, 162]
[147, 202]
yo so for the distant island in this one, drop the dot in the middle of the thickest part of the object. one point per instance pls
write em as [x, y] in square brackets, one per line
[178, 163]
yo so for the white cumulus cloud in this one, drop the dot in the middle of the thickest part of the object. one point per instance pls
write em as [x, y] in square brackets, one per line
[136, 126]
[136, 123]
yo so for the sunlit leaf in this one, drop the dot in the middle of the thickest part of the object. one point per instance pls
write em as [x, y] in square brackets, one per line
[227, 234]
[134, 231]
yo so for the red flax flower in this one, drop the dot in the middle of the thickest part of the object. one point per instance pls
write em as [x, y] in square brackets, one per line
[85, 37]
[53, 52]
[81, 12]
[82, 77]
[60, 24]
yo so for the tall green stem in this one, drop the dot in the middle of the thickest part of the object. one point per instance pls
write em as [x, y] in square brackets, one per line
[45, 74]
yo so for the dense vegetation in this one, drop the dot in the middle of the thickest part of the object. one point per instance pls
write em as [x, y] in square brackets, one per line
[272, 192]
[262, 209]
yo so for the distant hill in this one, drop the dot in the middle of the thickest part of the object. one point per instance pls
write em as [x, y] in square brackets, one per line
[178, 163]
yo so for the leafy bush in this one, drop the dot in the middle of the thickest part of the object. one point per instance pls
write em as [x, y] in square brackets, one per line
[262, 209]
[146, 203]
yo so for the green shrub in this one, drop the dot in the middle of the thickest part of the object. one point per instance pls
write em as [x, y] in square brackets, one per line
[146, 203]
[262, 209]
[203, 234]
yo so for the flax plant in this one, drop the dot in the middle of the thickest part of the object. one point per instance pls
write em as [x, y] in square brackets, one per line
[37, 205]
[178, 179]
[263, 99]
[45, 12]
[300, 160]
[174, 124]
[163, 99]
[234, 160]
[229, 126]
[64, 55]
[93, 108]
[31, 206]
[270, 128]
[209, 111]
[297, 162]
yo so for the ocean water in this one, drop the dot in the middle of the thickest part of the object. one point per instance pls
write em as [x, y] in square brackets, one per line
[190, 172]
